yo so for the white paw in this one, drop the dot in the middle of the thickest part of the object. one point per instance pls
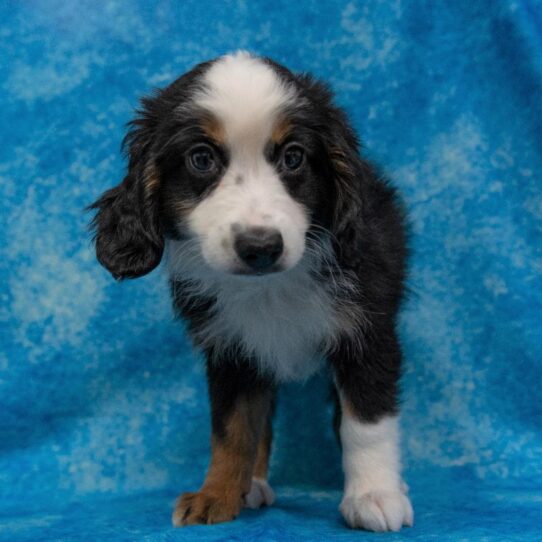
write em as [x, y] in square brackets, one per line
[260, 494]
[378, 511]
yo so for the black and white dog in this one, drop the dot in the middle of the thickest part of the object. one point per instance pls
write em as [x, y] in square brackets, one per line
[284, 248]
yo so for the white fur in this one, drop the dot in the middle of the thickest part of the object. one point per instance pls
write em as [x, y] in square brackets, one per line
[283, 320]
[260, 494]
[374, 496]
[246, 97]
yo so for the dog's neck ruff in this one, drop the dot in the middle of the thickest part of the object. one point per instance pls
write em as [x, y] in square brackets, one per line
[282, 321]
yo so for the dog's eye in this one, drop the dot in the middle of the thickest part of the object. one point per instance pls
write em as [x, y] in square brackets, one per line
[293, 157]
[202, 159]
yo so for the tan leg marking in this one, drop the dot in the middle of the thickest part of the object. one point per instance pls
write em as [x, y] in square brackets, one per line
[230, 473]
[261, 466]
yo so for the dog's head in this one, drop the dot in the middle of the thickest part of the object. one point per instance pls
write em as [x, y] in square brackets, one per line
[244, 159]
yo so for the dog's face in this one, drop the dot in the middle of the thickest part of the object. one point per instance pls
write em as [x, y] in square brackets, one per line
[241, 159]
[243, 181]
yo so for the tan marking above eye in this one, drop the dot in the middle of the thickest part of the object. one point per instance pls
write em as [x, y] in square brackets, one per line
[280, 131]
[213, 129]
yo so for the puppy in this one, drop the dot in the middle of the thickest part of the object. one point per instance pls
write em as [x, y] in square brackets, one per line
[285, 250]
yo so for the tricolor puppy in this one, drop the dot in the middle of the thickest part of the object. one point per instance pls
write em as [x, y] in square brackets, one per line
[285, 248]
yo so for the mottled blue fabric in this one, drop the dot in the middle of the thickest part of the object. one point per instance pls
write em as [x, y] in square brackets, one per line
[103, 406]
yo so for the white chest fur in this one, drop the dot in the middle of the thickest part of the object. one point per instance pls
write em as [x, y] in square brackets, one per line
[282, 323]
[281, 320]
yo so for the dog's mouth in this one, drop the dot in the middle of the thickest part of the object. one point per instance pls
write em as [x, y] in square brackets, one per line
[251, 272]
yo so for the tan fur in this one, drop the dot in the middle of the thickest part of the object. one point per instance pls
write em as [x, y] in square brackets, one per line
[347, 408]
[151, 180]
[232, 465]
[280, 131]
[214, 129]
[339, 159]
[261, 466]
[183, 207]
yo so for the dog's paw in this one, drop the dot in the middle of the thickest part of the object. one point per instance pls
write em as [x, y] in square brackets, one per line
[260, 494]
[205, 507]
[378, 511]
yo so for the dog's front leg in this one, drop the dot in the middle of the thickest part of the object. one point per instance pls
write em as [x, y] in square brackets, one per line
[366, 374]
[240, 404]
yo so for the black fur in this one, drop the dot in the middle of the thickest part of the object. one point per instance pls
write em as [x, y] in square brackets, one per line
[231, 378]
[346, 198]
[129, 241]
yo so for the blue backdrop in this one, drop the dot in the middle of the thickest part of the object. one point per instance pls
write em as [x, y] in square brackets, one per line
[103, 407]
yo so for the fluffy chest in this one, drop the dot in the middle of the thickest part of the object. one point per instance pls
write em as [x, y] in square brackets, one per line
[282, 323]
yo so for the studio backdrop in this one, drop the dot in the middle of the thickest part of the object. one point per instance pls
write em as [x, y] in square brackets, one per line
[104, 415]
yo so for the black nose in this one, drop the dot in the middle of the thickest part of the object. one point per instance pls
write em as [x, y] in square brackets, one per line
[259, 247]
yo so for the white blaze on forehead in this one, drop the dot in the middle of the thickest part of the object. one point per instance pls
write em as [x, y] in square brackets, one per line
[247, 99]
[245, 95]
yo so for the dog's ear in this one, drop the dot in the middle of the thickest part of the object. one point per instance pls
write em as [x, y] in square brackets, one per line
[127, 231]
[348, 174]
[344, 168]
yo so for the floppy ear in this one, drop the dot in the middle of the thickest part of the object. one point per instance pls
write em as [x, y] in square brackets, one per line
[127, 232]
[345, 168]
[348, 176]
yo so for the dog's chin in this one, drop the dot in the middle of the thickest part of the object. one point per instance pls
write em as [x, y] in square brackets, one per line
[244, 271]
[239, 269]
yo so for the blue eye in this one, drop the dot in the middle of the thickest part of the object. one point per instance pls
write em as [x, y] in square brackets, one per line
[293, 157]
[202, 159]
